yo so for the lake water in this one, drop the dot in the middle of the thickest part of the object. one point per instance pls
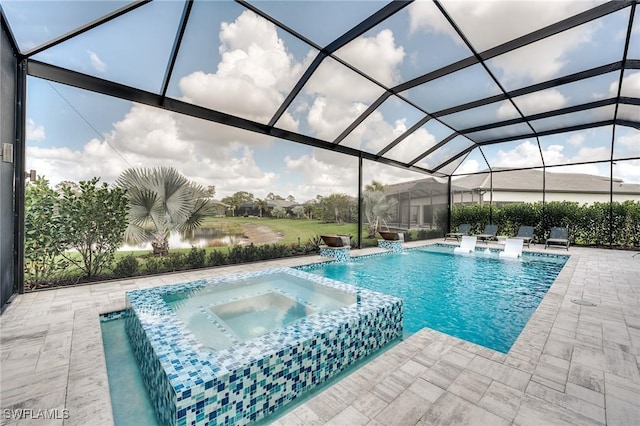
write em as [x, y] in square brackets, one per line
[200, 238]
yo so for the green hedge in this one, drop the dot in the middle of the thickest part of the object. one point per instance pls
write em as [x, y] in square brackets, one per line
[197, 258]
[589, 225]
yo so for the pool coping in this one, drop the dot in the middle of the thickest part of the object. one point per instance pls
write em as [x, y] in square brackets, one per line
[568, 365]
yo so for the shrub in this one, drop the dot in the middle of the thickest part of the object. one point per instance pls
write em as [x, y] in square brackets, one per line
[174, 262]
[196, 258]
[128, 266]
[92, 222]
[476, 215]
[153, 265]
[217, 258]
[314, 243]
[43, 241]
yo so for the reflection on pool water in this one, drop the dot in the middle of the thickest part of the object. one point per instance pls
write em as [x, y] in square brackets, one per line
[227, 314]
[258, 315]
[478, 297]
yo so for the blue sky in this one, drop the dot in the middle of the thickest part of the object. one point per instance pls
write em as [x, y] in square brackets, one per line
[235, 61]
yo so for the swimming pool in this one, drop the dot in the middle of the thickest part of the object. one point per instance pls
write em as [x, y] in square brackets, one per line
[479, 297]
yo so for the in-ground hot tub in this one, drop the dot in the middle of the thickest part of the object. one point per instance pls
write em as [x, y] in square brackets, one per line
[233, 350]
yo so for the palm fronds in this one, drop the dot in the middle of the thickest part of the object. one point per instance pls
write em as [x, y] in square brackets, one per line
[164, 200]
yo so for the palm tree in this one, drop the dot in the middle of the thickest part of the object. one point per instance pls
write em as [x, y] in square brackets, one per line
[163, 200]
[377, 209]
[375, 186]
[261, 205]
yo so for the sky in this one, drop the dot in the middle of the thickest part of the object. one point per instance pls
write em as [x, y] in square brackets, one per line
[236, 62]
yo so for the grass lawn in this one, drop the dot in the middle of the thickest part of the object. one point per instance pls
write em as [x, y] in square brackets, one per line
[291, 229]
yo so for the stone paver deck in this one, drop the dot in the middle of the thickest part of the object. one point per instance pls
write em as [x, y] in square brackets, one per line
[572, 365]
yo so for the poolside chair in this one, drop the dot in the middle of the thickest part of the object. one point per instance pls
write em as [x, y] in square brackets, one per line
[512, 248]
[463, 229]
[467, 245]
[489, 233]
[525, 233]
[559, 235]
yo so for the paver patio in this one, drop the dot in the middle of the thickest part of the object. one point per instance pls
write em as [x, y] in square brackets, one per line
[573, 364]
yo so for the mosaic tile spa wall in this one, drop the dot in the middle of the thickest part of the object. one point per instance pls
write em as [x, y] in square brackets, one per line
[191, 384]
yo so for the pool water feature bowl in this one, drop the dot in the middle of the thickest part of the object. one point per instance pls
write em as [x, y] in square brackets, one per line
[233, 350]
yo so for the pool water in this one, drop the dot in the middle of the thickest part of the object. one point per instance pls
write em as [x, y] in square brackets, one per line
[478, 297]
[224, 315]
[129, 398]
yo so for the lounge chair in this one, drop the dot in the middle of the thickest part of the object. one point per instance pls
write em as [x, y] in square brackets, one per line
[525, 233]
[559, 235]
[467, 245]
[512, 248]
[489, 233]
[463, 229]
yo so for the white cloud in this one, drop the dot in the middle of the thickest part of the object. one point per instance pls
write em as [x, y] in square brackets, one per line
[468, 166]
[525, 154]
[335, 81]
[58, 164]
[425, 17]
[628, 171]
[374, 133]
[630, 85]
[550, 57]
[628, 145]
[149, 137]
[329, 117]
[324, 172]
[489, 23]
[35, 133]
[341, 95]
[254, 75]
[413, 145]
[151, 132]
[601, 153]
[576, 139]
[533, 103]
[378, 56]
[96, 62]
[554, 154]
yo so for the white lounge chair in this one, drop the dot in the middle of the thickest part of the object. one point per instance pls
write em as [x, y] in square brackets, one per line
[512, 248]
[467, 245]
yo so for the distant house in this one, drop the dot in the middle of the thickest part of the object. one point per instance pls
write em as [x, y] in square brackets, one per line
[420, 200]
[526, 186]
[219, 206]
